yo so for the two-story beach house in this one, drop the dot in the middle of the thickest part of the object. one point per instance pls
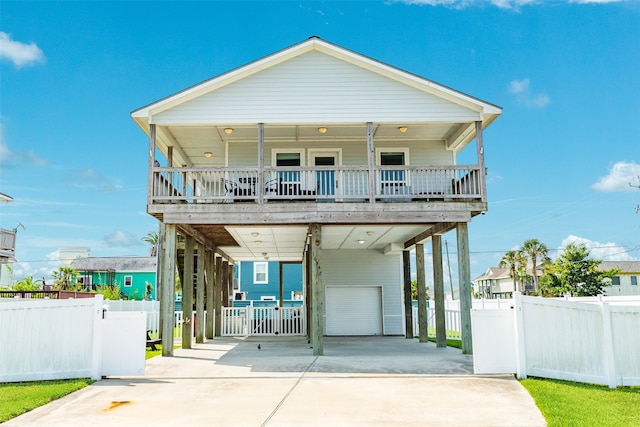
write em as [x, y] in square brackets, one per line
[320, 155]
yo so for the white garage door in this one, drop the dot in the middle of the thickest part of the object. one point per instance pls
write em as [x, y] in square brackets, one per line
[353, 310]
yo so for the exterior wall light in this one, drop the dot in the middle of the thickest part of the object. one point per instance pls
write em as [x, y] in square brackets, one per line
[322, 130]
[403, 129]
[228, 131]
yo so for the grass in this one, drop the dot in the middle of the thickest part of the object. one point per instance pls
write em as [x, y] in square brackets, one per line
[451, 342]
[18, 398]
[566, 403]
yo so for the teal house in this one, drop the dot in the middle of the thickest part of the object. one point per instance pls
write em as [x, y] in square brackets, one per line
[136, 276]
[261, 281]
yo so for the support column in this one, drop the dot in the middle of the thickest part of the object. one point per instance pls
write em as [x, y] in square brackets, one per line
[200, 286]
[217, 296]
[408, 306]
[168, 287]
[423, 333]
[209, 273]
[225, 283]
[280, 285]
[260, 163]
[230, 285]
[187, 293]
[308, 297]
[464, 275]
[371, 162]
[480, 153]
[317, 290]
[438, 289]
[159, 280]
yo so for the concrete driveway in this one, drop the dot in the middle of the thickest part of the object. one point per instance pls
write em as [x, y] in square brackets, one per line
[373, 381]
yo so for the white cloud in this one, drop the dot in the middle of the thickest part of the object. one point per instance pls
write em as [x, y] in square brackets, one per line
[521, 89]
[91, 179]
[621, 177]
[19, 53]
[602, 251]
[10, 158]
[596, 1]
[514, 5]
[120, 238]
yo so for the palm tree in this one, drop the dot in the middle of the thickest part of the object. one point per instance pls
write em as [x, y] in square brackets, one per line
[510, 261]
[66, 279]
[152, 239]
[535, 250]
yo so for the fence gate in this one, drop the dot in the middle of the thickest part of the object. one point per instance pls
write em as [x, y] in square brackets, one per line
[263, 321]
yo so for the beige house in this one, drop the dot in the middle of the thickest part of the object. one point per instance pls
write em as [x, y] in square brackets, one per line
[319, 155]
[626, 281]
[494, 283]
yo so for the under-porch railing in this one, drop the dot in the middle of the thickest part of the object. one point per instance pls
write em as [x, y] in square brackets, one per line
[317, 183]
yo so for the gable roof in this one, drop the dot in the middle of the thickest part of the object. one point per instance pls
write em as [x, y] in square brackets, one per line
[122, 264]
[494, 273]
[627, 267]
[145, 114]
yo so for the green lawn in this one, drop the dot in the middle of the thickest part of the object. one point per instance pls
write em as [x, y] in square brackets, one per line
[566, 403]
[18, 398]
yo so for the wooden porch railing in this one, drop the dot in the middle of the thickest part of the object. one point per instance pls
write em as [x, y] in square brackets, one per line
[319, 183]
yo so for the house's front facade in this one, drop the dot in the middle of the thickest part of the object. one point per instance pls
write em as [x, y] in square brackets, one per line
[626, 282]
[494, 283]
[321, 156]
[135, 276]
[268, 281]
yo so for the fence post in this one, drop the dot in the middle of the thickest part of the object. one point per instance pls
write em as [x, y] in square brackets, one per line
[607, 341]
[521, 353]
[96, 357]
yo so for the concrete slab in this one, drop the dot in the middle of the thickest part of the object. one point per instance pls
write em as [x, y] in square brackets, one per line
[373, 381]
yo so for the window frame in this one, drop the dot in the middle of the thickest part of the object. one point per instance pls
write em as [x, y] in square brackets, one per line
[124, 281]
[615, 279]
[634, 280]
[266, 273]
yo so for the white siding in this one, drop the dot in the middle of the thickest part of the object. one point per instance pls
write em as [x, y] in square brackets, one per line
[364, 268]
[311, 88]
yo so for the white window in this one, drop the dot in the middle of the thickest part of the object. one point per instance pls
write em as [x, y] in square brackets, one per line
[615, 280]
[634, 280]
[260, 272]
[267, 298]
[128, 281]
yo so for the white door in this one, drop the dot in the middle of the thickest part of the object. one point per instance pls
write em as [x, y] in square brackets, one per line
[326, 180]
[355, 310]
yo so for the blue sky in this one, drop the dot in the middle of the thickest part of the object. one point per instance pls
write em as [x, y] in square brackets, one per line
[561, 157]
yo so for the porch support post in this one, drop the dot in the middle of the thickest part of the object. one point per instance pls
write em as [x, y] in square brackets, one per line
[281, 284]
[168, 287]
[371, 161]
[438, 288]
[317, 290]
[308, 296]
[480, 150]
[159, 279]
[152, 158]
[209, 269]
[230, 285]
[187, 293]
[260, 163]
[217, 296]
[423, 333]
[225, 283]
[408, 306]
[464, 275]
[200, 286]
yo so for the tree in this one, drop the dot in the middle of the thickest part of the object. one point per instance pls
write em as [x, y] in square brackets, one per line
[27, 284]
[510, 260]
[414, 290]
[575, 273]
[153, 239]
[535, 250]
[66, 279]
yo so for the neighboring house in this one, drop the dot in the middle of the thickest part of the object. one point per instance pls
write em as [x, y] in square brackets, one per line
[317, 154]
[495, 283]
[7, 249]
[626, 282]
[131, 274]
[260, 281]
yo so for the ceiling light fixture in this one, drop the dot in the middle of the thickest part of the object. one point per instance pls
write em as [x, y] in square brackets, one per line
[322, 130]
[264, 254]
[361, 241]
[257, 242]
[228, 131]
[403, 129]
[208, 154]
[266, 258]
[255, 234]
[369, 233]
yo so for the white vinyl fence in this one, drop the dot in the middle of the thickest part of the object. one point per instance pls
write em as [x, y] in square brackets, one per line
[595, 340]
[244, 321]
[70, 338]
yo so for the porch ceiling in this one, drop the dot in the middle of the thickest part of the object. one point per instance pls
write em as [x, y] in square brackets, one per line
[193, 141]
[286, 243]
